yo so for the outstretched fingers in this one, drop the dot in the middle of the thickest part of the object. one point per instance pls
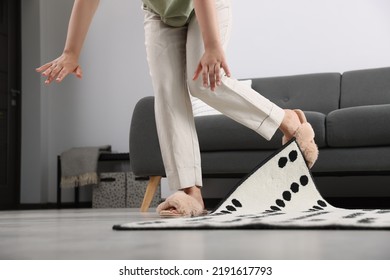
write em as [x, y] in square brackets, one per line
[211, 74]
[59, 68]
[55, 69]
[62, 74]
[43, 67]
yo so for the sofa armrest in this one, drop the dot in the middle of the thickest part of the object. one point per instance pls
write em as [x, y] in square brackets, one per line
[145, 153]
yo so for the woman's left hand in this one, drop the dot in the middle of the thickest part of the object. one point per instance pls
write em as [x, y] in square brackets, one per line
[210, 66]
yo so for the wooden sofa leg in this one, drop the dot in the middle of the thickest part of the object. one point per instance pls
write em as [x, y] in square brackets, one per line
[150, 191]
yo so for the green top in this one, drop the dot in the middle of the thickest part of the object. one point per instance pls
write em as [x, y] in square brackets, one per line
[175, 13]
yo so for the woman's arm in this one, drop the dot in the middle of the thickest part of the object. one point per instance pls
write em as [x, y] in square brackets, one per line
[80, 20]
[214, 57]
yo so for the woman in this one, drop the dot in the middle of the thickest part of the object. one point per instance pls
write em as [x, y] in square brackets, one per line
[185, 41]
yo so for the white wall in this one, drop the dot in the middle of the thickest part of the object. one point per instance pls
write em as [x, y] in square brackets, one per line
[270, 38]
[282, 37]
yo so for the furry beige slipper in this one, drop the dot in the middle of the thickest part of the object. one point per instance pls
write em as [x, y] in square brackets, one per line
[304, 136]
[180, 204]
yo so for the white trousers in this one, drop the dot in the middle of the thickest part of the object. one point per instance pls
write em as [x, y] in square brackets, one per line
[173, 55]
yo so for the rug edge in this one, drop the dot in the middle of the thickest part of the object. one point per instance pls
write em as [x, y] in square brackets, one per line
[267, 159]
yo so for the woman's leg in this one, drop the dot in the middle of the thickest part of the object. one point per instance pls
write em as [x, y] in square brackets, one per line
[231, 98]
[240, 102]
[166, 48]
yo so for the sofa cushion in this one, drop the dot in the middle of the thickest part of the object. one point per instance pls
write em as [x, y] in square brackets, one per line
[220, 133]
[310, 92]
[365, 87]
[145, 152]
[361, 126]
[353, 160]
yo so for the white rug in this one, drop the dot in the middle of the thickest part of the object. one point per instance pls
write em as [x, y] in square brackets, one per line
[279, 193]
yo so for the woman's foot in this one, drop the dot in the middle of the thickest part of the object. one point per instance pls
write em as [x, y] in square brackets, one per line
[290, 123]
[196, 193]
[185, 202]
[295, 125]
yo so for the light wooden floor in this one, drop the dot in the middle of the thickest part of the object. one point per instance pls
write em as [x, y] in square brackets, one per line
[88, 234]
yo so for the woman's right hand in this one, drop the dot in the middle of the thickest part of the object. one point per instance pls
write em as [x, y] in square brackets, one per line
[67, 63]
[59, 68]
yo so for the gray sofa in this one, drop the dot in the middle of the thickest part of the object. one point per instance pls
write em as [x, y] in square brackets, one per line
[349, 112]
